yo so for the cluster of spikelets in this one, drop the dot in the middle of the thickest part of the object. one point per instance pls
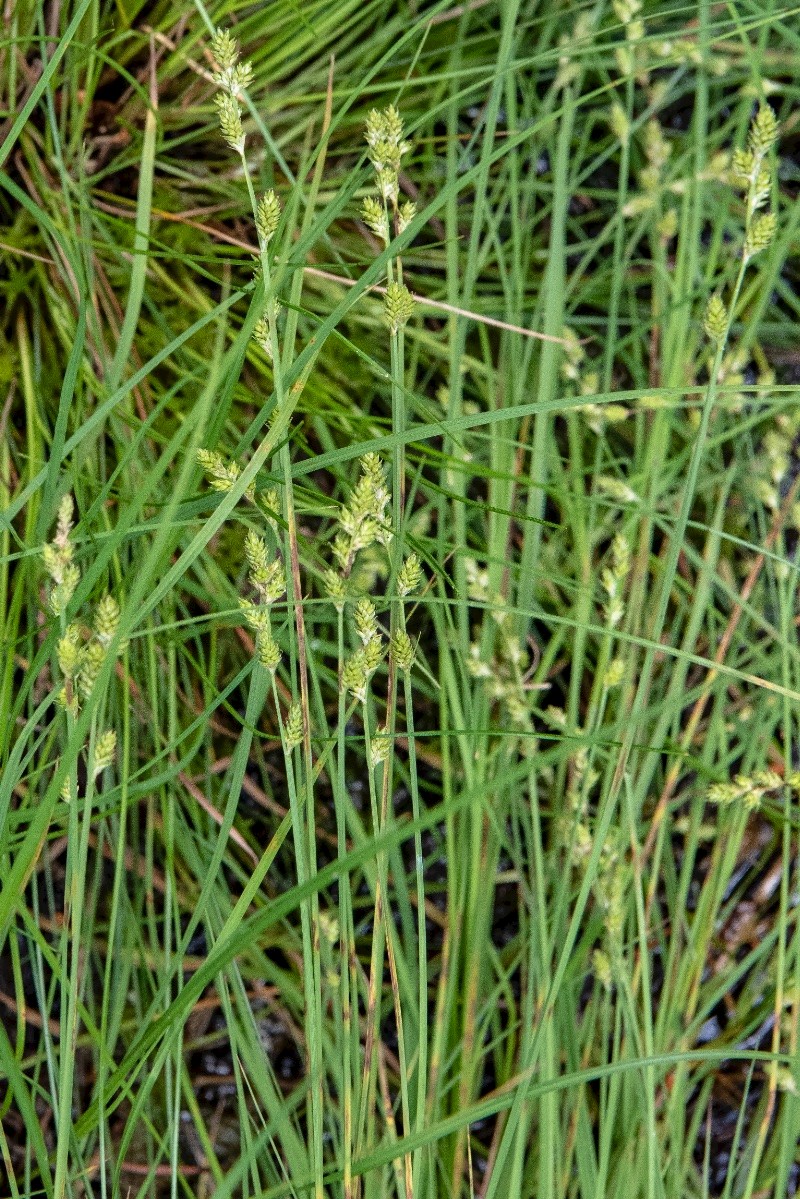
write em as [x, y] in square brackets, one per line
[383, 213]
[266, 574]
[775, 464]
[364, 522]
[584, 380]
[231, 77]
[267, 578]
[751, 789]
[81, 651]
[386, 147]
[751, 174]
[506, 668]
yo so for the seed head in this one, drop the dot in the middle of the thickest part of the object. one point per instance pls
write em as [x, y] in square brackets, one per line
[230, 121]
[106, 619]
[70, 652]
[366, 621]
[373, 214]
[268, 214]
[63, 592]
[760, 234]
[221, 475]
[402, 650]
[715, 321]
[104, 752]
[94, 655]
[269, 655]
[266, 576]
[354, 676]
[293, 731]
[763, 131]
[225, 49]
[398, 306]
[262, 335]
[335, 588]
[232, 77]
[381, 746]
[405, 215]
[615, 673]
[410, 576]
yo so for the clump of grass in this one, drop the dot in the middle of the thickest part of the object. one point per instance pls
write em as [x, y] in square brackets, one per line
[397, 788]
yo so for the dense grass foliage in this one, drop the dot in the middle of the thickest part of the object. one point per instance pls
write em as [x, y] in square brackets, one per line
[399, 785]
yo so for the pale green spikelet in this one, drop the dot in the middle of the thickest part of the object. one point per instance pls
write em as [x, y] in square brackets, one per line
[742, 167]
[616, 489]
[57, 559]
[601, 964]
[620, 556]
[262, 335]
[230, 121]
[232, 76]
[760, 234]
[224, 49]
[373, 654]
[221, 475]
[398, 306]
[268, 214]
[373, 131]
[555, 717]
[342, 550]
[104, 752]
[366, 621]
[392, 125]
[373, 214]
[619, 123]
[266, 576]
[410, 576]
[574, 354]
[364, 520]
[615, 673]
[384, 136]
[271, 507]
[381, 746]
[63, 592]
[210, 461]
[53, 561]
[667, 226]
[106, 619]
[656, 146]
[402, 650]
[293, 731]
[66, 789]
[335, 588]
[763, 131]
[373, 477]
[64, 525]
[354, 676]
[269, 654]
[475, 663]
[257, 555]
[715, 322]
[612, 578]
[69, 652]
[256, 616]
[405, 215]
[94, 655]
[386, 180]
